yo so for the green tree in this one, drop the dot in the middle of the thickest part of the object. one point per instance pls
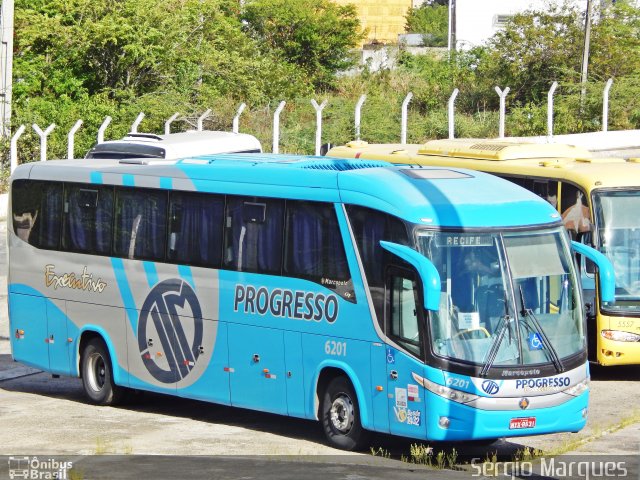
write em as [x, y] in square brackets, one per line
[432, 21]
[316, 36]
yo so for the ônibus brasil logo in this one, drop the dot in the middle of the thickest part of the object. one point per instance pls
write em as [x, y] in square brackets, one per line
[175, 354]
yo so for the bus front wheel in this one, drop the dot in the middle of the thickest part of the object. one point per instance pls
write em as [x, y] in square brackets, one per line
[97, 374]
[341, 416]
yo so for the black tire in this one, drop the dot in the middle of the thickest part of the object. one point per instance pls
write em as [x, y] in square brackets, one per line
[340, 416]
[97, 374]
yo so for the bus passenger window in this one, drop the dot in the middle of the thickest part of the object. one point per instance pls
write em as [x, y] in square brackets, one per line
[36, 212]
[253, 234]
[140, 224]
[87, 221]
[575, 210]
[314, 248]
[195, 229]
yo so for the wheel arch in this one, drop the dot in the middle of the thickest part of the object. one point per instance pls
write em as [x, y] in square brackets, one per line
[327, 371]
[89, 332]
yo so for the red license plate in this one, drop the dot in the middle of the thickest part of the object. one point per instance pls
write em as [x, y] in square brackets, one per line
[525, 422]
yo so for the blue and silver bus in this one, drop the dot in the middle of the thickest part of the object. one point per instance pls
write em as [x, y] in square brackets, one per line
[432, 303]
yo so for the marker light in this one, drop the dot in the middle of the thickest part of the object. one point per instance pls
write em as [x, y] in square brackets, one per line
[619, 336]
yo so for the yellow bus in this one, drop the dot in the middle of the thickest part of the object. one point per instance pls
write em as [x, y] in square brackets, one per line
[598, 198]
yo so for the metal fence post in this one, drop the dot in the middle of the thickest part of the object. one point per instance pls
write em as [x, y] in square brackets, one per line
[357, 115]
[71, 139]
[319, 109]
[167, 124]
[552, 90]
[202, 117]
[43, 134]
[13, 155]
[605, 105]
[103, 127]
[136, 122]
[276, 127]
[403, 123]
[236, 120]
[451, 113]
[503, 109]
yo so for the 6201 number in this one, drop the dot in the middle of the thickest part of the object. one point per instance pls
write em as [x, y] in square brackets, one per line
[331, 347]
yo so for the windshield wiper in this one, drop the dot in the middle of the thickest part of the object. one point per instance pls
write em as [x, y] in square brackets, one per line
[526, 314]
[503, 327]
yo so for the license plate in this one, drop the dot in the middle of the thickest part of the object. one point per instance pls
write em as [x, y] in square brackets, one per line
[525, 422]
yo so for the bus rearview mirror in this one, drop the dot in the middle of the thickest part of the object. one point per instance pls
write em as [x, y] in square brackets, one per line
[606, 273]
[427, 271]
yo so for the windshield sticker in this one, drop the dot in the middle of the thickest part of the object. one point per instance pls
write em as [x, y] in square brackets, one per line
[534, 341]
[279, 302]
[468, 320]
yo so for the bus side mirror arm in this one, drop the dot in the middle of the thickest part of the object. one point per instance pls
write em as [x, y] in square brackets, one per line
[606, 273]
[427, 271]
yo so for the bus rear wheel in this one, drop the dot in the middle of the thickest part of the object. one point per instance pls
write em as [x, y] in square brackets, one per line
[97, 374]
[341, 416]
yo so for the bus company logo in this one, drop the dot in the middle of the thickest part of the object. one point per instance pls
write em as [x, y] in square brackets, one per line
[84, 281]
[524, 403]
[45, 469]
[176, 354]
[490, 387]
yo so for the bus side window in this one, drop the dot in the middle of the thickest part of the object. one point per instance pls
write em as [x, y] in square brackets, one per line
[253, 234]
[313, 247]
[36, 212]
[88, 213]
[140, 224]
[195, 229]
[369, 227]
[574, 207]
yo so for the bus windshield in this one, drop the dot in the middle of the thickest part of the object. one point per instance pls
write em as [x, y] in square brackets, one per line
[618, 225]
[508, 299]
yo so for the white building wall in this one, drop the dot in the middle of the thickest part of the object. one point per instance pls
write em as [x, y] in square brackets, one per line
[478, 20]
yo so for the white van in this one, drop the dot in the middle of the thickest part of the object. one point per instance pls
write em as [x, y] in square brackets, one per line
[175, 145]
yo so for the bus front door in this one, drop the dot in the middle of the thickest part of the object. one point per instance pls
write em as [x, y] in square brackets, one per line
[405, 329]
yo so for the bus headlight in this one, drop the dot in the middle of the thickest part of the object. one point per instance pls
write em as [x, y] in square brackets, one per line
[578, 389]
[620, 336]
[449, 393]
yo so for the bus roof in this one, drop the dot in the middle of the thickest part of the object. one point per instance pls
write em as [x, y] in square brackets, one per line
[175, 145]
[561, 162]
[451, 197]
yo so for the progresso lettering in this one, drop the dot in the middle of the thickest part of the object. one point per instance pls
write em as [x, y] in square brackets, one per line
[282, 303]
[543, 383]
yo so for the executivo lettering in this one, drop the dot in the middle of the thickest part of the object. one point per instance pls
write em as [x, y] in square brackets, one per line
[84, 281]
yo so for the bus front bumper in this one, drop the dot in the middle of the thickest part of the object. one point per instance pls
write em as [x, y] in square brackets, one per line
[451, 421]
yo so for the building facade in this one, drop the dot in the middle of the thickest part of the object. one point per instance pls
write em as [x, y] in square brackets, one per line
[383, 19]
